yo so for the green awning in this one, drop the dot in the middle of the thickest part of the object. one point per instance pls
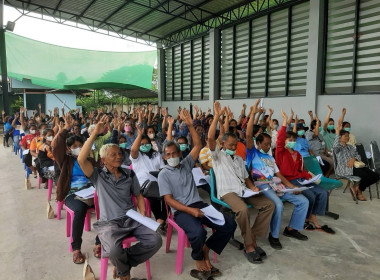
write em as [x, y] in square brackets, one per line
[67, 68]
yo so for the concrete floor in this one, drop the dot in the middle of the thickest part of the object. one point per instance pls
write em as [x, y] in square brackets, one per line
[33, 247]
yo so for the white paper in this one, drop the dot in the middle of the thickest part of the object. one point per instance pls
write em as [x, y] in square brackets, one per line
[312, 180]
[213, 215]
[368, 155]
[320, 160]
[25, 152]
[148, 222]
[296, 189]
[249, 192]
[86, 193]
[199, 177]
[124, 166]
[51, 168]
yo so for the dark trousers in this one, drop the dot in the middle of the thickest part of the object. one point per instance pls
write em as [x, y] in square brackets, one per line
[158, 208]
[80, 209]
[367, 176]
[6, 138]
[196, 234]
[317, 197]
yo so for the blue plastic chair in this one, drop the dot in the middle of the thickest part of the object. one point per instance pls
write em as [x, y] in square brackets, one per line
[311, 164]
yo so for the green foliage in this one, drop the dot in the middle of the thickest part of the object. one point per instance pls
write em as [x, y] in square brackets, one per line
[17, 103]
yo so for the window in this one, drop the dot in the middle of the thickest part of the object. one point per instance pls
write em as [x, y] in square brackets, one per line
[266, 56]
[187, 70]
[352, 62]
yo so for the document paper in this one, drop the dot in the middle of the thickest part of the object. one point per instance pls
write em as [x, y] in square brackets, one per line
[213, 215]
[86, 193]
[148, 222]
[312, 180]
[248, 192]
[295, 189]
[199, 177]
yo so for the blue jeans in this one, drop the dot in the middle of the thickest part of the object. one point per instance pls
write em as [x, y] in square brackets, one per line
[317, 197]
[297, 220]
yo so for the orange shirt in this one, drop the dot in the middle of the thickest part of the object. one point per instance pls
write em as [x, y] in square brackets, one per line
[48, 151]
[36, 143]
[241, 150]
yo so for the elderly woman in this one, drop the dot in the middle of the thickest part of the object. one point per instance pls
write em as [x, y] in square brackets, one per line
[114, 186]
[346, 156]
[71, 180]
[145, 160]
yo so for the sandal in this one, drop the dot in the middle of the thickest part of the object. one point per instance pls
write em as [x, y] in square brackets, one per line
[215, 272]
[201, 275]
[97, 251]
[253, 257]
[326, 229]
[308, 226]
[260, 251]
[78, 257]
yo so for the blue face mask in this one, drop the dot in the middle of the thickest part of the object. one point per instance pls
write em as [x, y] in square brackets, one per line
[262, 151]
[301, 132]
[330, 127]
[291, 144]
[145, 148]
[292, 124]
[276, 126]
[183, 147]
[347, 129]
[123, 145]
[230, 152]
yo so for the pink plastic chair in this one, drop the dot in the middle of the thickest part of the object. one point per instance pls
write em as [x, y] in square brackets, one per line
[59, 209]
[126, 242]
[50, 186]
[69, 222]
[181, 243]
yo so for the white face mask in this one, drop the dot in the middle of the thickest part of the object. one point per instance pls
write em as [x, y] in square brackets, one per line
[32, 131]
[49, 138]
[173, 162]
[75, 152]
[151, 136]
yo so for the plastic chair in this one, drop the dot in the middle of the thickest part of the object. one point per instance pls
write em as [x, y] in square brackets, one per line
[352, 181]
[126, 242]
[50, 185]
[311, 164]
[59, 209]
[69, 222]
[376, 162]
[224, 208]
[364, 159]
[182, 241]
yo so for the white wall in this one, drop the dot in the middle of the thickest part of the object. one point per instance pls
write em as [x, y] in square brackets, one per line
[52, 101]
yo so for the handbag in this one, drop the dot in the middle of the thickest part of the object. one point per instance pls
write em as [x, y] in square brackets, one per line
[359, 164]
[150, 189]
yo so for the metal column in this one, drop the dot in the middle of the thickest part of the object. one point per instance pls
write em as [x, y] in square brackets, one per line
[3, 58]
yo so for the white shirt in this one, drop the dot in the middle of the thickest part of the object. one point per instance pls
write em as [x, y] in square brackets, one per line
[230, 173]
[143, 164]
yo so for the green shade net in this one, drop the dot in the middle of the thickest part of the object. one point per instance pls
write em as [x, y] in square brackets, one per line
[66, 68]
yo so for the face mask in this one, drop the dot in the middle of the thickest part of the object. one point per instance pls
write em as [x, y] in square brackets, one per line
[173, 162]
[128, 128]
[32, 131]
[75, 152]
[262, 151]
[230, 152]
[304, 124]
[330, 127]
[151, 136]
[123, 145]
[301, 132]
[292, 124]
[347, 129]
[182, 147]
[49, 138]
[254, 138]
[290, 144]
[145, 148]
[276, 126]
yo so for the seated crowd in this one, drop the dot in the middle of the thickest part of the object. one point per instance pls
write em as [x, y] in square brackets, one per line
[148, 155]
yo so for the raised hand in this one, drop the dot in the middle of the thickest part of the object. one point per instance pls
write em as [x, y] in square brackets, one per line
[344, 111]
[164, 112]
[291, 112]
[68, 121]
[310, 112]
[217, 110]
[170, 120]
[186, 118]
[99, 128]
[39, 106]
[2, 112]
[140, 130]
[284, 115]
[270, 112]
[150, 107]
[330, 108]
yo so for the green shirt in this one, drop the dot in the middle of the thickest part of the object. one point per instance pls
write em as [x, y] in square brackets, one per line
[329, 139]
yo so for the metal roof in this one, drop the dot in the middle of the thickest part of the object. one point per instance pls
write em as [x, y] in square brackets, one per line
[166, 22]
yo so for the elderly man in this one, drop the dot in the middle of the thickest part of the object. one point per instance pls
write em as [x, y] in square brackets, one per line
[178, 188]
[114, 186]
[231, 182]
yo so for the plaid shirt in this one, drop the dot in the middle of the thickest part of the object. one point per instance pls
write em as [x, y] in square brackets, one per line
[342, 154]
